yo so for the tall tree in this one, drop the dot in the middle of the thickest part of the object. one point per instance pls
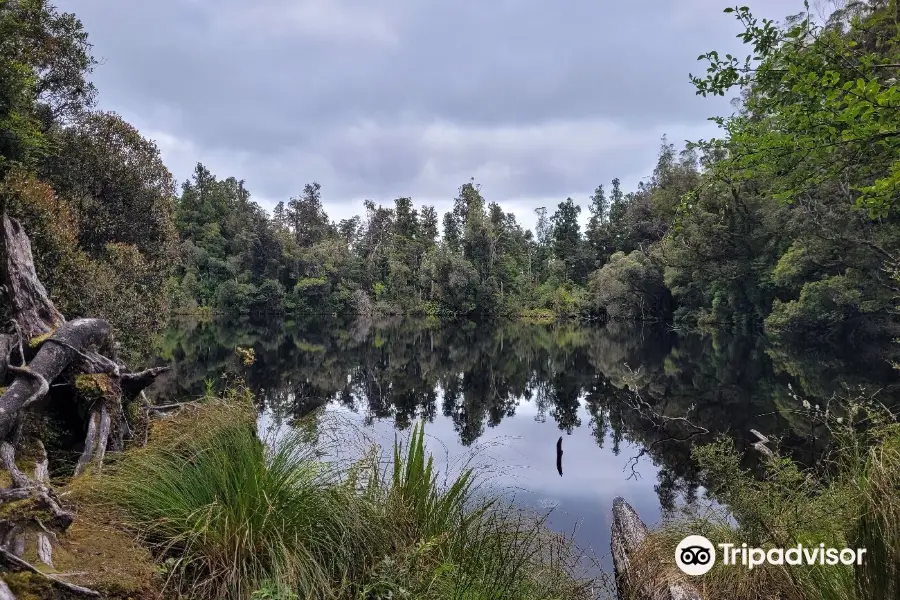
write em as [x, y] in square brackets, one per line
[117, 182]
[307, 217]
[428, 226]
[566, 236]
[45, 63]
[597, 230]
[452, 232]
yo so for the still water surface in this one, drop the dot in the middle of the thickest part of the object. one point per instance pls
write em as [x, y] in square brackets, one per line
[510, 391]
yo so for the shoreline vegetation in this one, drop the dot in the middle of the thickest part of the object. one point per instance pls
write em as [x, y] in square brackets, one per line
[788, 225]
[742, 232]
[848, 500]
[537, 316]
[236, 518]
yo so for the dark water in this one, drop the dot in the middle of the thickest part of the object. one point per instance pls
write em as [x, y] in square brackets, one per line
[514, 389]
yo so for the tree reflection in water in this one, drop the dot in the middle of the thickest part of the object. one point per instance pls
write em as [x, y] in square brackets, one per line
[478, 375]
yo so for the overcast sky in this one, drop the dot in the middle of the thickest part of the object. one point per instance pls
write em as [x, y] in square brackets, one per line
[537, 100]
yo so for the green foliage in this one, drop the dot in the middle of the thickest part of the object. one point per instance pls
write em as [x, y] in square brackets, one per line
[820, 99]
[794, 213]
[118, 185]
[788, 219]
[117, 283]
[630, 288]
[93, 195]
[44, 63]
[567, 239]
[122, 286]
[824, 308]
[848, 500]
[235, 298]
[273, 591]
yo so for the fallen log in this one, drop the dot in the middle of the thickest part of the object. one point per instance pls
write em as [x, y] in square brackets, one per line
[627, 535]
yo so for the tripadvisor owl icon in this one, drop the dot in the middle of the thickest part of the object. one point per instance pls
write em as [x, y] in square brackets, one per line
[695, 555]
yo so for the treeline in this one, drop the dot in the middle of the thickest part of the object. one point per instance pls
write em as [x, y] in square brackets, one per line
[476, 261]
[786, 223]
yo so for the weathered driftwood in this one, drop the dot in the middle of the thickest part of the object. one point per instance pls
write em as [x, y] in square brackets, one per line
[39, 348]
[628, 533]
[32, 381]
[5, 592]
[28, 299]
[760, 445]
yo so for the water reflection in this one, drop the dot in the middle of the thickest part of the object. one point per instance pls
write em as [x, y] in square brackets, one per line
[518, 387]
[477, 377]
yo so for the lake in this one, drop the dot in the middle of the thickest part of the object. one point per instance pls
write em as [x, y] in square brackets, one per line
[507, 392]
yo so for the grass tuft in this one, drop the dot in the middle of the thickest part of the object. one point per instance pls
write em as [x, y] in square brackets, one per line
[234, 517]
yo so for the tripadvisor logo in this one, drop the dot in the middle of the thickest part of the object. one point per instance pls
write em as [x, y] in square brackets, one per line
[696, 555]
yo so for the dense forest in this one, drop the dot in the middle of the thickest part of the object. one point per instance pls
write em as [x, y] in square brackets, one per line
[787, 223]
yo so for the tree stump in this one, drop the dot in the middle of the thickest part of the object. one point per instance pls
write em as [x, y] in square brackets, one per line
[628, 533]
[40, 349]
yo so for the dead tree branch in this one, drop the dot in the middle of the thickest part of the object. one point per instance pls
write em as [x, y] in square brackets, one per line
[672, 428]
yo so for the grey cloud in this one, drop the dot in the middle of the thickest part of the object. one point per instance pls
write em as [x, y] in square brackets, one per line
[286, 89]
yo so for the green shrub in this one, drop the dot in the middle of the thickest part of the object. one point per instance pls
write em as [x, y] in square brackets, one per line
[630, 288]
[233, 297]
[270, 296]
[823, 309]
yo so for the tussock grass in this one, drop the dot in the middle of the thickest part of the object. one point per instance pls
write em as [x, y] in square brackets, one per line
[878, 527]
[234, 517]
[658, 550]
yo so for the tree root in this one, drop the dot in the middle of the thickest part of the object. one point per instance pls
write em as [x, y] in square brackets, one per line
[95, 440]
[5, 592]
[167, 407]
[38, 349]
[21, 564]
[23, 487]
[135, 383]
[51, 360]
[38, 489]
